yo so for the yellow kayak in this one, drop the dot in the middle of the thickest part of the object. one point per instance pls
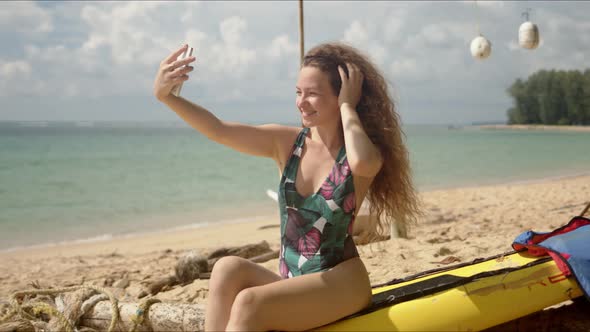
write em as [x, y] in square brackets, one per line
[464, 297]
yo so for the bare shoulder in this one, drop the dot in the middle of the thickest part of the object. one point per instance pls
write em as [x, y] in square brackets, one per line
[282, 133]
[285, 136]
[279, 128]
[266, 140]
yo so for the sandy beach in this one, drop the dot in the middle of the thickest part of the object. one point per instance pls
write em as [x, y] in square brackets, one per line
[464, 222]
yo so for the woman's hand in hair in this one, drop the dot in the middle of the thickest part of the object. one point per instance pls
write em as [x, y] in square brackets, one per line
[350, 92]
[171, 73]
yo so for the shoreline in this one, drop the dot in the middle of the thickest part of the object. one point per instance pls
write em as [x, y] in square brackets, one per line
[460, 223]
[106, 238]
[127, 236]
[536, 127]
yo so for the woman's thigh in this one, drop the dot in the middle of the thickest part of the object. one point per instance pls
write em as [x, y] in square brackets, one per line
[241, 273]
[309, 301]
[231, 275]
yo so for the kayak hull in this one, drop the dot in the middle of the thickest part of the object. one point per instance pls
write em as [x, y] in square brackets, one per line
[507, 287]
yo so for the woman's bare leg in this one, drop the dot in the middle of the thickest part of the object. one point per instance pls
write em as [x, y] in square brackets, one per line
[303, 302]
[231, 275]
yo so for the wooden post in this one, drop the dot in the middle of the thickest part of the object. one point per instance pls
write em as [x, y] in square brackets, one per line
[301, 35]
[397, 230]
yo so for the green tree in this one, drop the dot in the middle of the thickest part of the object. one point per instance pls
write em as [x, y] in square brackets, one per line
[573, 86]
[551, 97]
[584, 116]
[517, 114]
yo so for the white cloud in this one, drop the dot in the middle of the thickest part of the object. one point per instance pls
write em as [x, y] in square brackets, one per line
[408, 69]
[439, 37]
[393, 25]
[513, 45]
[357, 34]
[25, 17]
[16, 78]
[249, 51]
[485, 3]
[435, 35]
[231, 29]
[281, 46]
[228, 56]
[196, 39]
[10, 70]
[188, 16]
[130, 31]
[491, 4]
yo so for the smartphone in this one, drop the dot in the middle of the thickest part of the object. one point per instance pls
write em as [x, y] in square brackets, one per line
[188, 52]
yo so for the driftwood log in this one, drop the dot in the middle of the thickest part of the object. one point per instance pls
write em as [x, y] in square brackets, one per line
[159, 317]
[245, 251]
[156, 286]
[192, 266]
[265, 257]
[70, 305]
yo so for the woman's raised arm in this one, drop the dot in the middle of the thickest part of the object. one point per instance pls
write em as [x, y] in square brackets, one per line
[255, 140]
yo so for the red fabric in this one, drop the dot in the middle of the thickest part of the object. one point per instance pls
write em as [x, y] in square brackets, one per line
[536, 250]
[560, 263]
[537, 238]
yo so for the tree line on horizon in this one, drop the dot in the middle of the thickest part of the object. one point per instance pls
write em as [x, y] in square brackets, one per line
[551, 97]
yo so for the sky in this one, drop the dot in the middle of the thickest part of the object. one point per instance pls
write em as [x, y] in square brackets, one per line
[96, 61]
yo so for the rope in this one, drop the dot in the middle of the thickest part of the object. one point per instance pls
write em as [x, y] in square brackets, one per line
[477, 18]
[7, 316]
[43, 307]
[141, 312]
[91, 302]
[18, 325]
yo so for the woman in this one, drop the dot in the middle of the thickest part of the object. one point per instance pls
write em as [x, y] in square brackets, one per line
[350, 147]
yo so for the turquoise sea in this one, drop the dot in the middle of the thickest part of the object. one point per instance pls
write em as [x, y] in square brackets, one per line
[62, 182]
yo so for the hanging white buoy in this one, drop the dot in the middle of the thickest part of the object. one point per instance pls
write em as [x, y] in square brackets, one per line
[528, 35]
[481, 48]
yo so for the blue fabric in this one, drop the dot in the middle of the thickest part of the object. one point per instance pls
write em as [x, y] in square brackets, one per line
[577, 244]
[525, 237]
[570, 243]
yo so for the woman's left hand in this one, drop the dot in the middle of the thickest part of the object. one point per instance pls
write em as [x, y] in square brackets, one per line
[350, 92]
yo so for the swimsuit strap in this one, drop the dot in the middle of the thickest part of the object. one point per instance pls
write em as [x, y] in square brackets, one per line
[293, 161]
[301, 137]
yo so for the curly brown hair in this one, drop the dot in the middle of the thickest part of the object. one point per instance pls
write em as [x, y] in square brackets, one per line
[392, 195]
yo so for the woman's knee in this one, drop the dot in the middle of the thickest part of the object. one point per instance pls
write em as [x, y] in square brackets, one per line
[225, 273]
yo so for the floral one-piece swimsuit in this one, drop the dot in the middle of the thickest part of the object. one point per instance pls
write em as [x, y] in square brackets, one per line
[316, 231]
